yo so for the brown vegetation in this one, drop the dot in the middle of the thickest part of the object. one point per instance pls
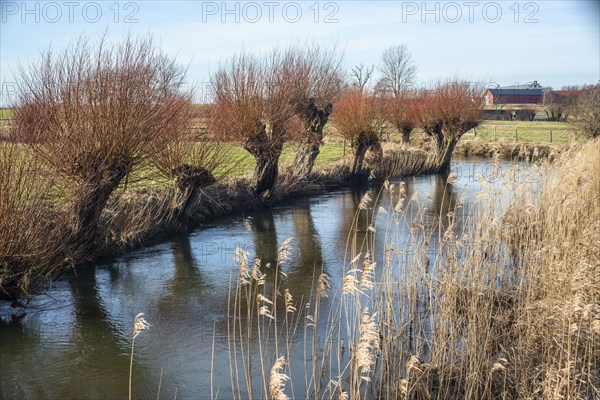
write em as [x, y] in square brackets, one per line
[253, 106]
[588, 114]
[94, 112]
[316, 82]
[402, 111]
[507, 307]
[447, 113]
[357, 118]
[33, 238]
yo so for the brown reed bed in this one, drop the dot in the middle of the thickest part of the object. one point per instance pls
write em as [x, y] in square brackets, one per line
[506, 308]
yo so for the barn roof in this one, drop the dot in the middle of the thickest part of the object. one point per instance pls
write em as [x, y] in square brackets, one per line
[517, 92]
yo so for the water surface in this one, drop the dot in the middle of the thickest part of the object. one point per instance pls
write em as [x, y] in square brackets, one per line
[74, 339]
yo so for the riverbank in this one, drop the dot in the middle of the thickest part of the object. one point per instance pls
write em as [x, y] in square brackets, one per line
[140, 217]
[135, 217]
[527, 151]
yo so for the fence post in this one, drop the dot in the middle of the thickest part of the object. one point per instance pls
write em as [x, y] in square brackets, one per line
[516, 135]
[550, 135]
[495, 133]
[344, 148]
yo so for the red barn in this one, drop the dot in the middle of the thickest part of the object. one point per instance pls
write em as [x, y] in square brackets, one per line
[514, 96]
[519, 94]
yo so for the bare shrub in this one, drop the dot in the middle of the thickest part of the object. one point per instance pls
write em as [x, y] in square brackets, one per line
[33, 241]
[588, 115]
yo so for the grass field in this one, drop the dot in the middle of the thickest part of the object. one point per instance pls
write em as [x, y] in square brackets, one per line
[526, 131]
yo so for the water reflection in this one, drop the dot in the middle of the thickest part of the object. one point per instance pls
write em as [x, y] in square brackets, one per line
[307, 261]
[74, 341]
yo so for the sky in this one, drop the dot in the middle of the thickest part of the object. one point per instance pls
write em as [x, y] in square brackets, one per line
[496, 42]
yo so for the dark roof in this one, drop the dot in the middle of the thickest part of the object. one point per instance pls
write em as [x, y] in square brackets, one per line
[516, 92]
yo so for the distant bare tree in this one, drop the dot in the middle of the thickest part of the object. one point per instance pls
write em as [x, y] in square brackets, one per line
[558, 106]
[397, 68]
[95, 111]
[571, 87]
[529, 112]
[361, 75]
[510, 112]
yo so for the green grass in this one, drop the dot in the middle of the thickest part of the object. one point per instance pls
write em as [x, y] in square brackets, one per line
[526, 131]
[242, 163]
[245, 163]
[5, 113]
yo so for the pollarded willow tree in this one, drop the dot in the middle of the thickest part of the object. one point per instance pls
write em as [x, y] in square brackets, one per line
[447, 113]
[253, 106]
[316, 82]
[192, 159]
[94, 111]
[402, 112]
[357, 118]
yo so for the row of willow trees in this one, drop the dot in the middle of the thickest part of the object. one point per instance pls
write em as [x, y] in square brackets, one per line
[290, 96]
[90, 115]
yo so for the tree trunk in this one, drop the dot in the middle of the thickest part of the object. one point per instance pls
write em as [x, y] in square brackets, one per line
[266, 152]
[445, 155]
[406, 131]
[315, 119]
[265, 175]
[187, 181]
[91, 198]
[306, 155]
[439, 139]
[359, 156]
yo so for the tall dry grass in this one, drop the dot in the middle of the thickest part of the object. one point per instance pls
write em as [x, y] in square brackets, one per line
[499, 301]
[33, 236]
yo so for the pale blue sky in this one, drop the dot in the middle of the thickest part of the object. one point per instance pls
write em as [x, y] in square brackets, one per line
[553, 42]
